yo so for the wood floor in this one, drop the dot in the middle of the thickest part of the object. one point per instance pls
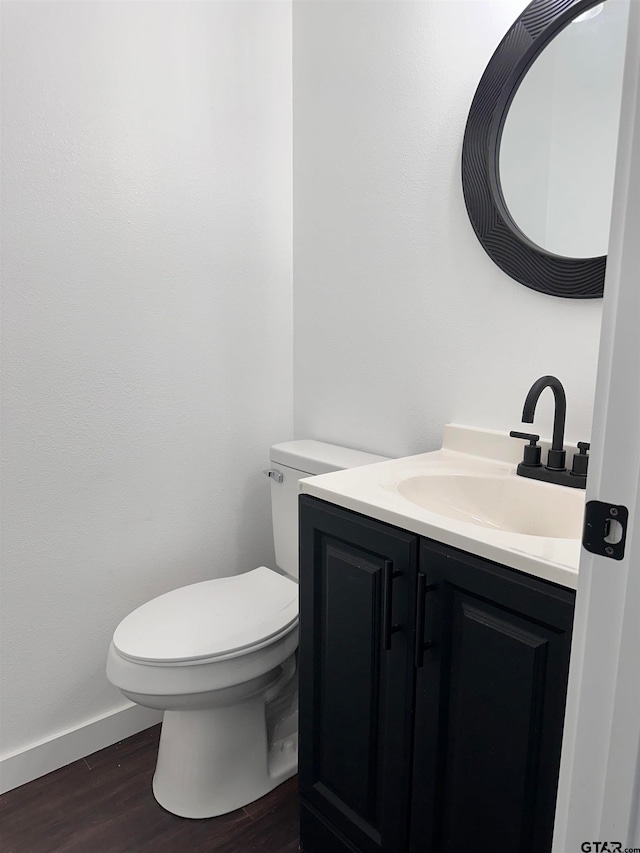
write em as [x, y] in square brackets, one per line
[103, 804]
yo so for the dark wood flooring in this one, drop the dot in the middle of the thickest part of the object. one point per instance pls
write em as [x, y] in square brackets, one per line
[104, 804]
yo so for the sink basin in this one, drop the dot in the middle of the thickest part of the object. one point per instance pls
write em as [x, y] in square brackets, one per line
[507, 503]
[468, 495]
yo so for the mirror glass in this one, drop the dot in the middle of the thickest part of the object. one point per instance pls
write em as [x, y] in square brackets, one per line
[558, 146]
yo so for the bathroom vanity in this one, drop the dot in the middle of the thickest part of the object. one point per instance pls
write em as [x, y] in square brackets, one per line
[434, 653]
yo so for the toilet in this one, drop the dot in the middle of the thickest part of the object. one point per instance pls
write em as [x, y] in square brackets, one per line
[219, 658]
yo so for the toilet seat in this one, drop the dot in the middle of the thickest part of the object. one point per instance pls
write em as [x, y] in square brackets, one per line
[209, 621]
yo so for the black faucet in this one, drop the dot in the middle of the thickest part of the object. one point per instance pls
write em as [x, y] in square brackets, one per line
[556, 456]
[554, 471]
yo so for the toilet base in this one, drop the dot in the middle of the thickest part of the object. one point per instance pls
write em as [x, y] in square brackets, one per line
[214, 761]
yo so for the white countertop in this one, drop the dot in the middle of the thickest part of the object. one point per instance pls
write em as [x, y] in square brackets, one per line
[373, 491]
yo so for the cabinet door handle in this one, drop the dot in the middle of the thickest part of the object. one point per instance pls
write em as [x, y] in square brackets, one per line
[388, 628]
[421, 644]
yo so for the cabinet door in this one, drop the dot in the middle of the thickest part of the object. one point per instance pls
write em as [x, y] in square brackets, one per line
[490, 700]
[356, 686]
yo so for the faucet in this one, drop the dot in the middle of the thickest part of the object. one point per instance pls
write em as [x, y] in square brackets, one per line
[556, 455]
[554, 471]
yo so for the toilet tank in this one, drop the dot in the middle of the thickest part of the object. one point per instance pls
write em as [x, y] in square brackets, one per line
[295, 460]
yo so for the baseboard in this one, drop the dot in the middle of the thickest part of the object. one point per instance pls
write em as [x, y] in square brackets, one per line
[49, 754]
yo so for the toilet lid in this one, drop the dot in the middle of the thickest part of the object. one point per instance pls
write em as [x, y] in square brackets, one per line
[210, 619]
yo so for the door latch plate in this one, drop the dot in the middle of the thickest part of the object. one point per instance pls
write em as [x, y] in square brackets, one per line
[605, 529]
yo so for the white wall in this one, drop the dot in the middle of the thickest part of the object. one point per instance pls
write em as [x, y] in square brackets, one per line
[402, 322]
[147, 322]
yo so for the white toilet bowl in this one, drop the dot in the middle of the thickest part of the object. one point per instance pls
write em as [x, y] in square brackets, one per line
[219, 659]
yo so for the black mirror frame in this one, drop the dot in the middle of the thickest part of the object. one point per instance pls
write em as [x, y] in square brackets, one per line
[504, 242]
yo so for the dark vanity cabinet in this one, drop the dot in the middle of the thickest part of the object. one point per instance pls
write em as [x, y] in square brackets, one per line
[356, 680]
[489, 706]
[432, 692]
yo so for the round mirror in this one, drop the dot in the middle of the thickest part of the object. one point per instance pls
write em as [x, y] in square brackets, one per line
[558, 147]
[539, 149]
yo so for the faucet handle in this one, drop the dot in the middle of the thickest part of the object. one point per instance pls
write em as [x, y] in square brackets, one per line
[528, 436]
[581, 460]
[532, 451]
